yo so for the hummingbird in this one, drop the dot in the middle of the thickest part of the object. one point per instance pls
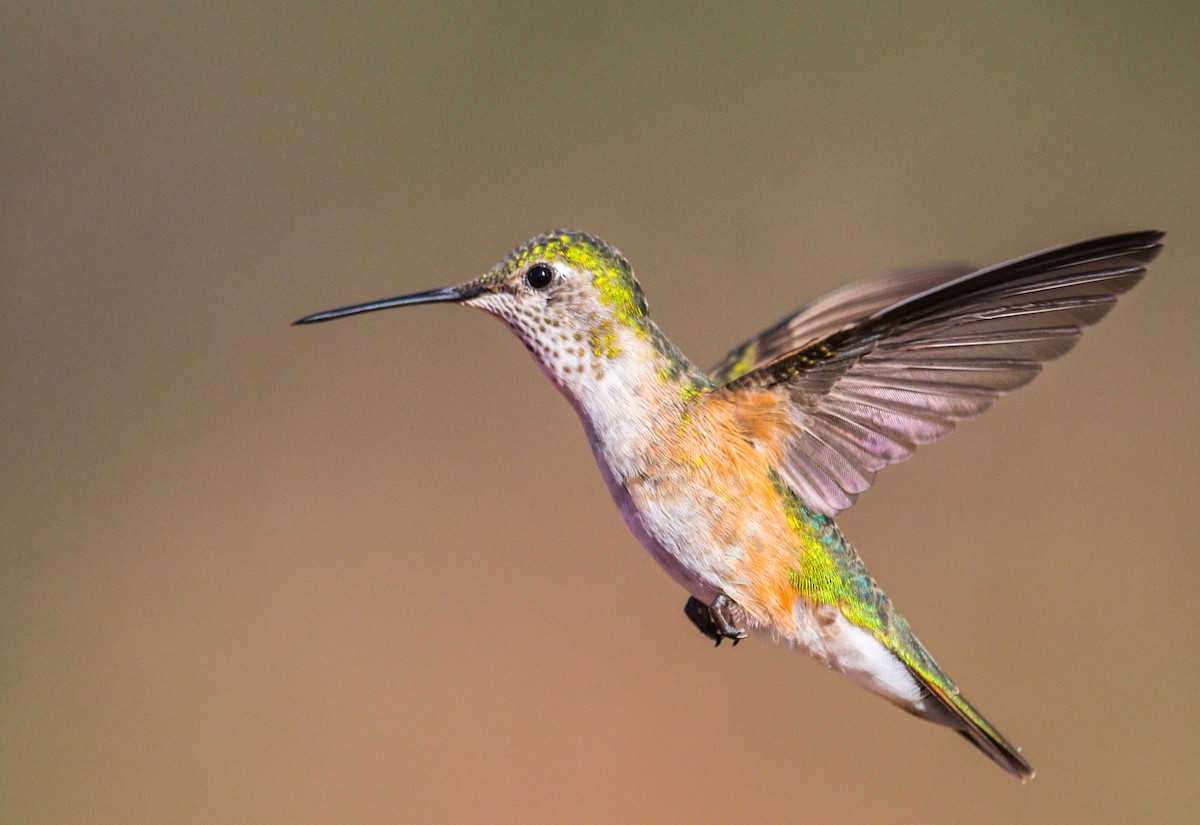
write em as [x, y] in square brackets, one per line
[731, 478]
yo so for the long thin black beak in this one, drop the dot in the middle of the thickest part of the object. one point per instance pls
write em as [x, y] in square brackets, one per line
[433, 296]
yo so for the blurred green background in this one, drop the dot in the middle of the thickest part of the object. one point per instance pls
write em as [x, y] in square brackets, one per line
[367, 572]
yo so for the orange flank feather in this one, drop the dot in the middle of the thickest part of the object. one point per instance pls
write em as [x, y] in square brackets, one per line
[733, 442]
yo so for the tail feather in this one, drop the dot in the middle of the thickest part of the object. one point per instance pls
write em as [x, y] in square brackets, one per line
[957, 713]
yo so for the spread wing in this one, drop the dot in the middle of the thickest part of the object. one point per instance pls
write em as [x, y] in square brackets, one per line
[872, 371]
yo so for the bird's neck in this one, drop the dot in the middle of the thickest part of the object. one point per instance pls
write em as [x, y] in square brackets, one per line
[627, 400]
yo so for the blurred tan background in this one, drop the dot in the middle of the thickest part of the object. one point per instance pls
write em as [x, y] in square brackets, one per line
[367, 572]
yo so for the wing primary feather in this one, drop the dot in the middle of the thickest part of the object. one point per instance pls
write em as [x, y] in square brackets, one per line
[1130, 250]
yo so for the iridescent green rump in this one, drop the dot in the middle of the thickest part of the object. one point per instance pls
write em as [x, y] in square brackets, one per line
[830, 572]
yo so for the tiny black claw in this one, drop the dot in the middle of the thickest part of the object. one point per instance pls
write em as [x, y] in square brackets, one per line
[723, 611]
[716, 621]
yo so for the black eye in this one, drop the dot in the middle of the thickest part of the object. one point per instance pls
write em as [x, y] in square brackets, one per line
[539, 276]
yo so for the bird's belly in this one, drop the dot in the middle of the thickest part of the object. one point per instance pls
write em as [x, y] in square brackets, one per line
[704, 507]
[675, 533]
[685, 568]
[707, 544]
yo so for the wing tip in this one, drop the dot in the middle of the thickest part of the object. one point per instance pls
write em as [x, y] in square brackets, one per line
[1148, 241]
[1142, 247]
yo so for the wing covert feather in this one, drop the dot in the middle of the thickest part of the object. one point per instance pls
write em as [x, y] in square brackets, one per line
[827, 314]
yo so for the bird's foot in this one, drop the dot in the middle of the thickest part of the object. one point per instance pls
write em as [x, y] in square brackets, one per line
[716, 620]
